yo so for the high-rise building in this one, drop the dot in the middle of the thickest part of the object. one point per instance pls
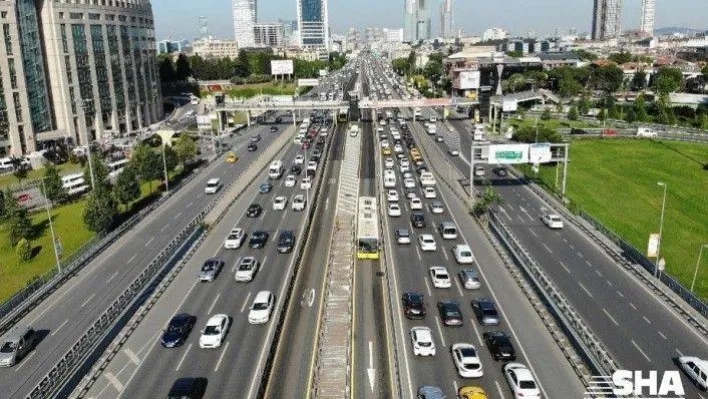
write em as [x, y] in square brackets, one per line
[268, 34]
[416, 20]
[203, 28]
[69, 71]
[606, 18]
[446, 19]
[245, 14]
[313, 23]
[648, 13]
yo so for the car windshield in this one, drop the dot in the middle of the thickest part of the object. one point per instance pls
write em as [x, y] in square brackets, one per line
[246, 266]
[260, 306]
[176, 327]
[489, 312]
[211, 330]
[452, 313]
[527, 384]
[468, 352]
[212, 184]
[403, 233]
[8, 347]
[208, 267]
[466, 253]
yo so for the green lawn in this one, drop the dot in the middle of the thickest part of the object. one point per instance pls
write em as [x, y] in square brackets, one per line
[64, 169]
[615, 181]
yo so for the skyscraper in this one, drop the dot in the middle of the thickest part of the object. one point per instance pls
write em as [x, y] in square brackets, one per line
[446, 19]
[244, 22]
[606, 19]
[648, 12]
[203, 28]
[416, 20]
[409, 16]
[313, 23]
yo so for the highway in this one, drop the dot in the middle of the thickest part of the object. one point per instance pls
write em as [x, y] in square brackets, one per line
[66, 314]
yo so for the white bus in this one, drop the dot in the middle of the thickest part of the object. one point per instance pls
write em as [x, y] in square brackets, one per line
[115, 168]
[367, 229]
[275, 171]
[74, 184]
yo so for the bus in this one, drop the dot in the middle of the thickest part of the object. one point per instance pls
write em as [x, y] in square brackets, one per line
[367, 229]
[276, 170]
[114, 169]
[343, 115]
[74, 184]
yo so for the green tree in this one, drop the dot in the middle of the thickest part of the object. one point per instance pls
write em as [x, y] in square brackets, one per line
[9, 204]
[569, 87]
[19, 170]
[138, 157]
[515, 83]
[100, 170]
[515, 54]
[608, 78]
[433, 70]
[620, 58]
[585, 55]
[639, 81]
[704, 71]
[20, 224]
[171, 159]
[602, 115]
[53, 189]
[3, 210]
[537, 78]
[573, 113]
[485, 201]
[167, 70]
[630, 116]
[101, 210]
[183, 70]
[151, 168]
[23, 250]
[640, 108]
[545, 134]
[584, 105]
[127, 187]
[703, 121]
[185, 148]
[668, 80]
[546, 114]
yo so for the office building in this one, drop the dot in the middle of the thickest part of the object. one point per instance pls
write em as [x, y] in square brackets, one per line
[606, 19]
[69, 72]
[214, 48]
[648, 13]
[416, 20]
[446, 19]
[244, 13]
[268, 35]
[494, 34]
[313, 23]
[393, 35]
[203, 28]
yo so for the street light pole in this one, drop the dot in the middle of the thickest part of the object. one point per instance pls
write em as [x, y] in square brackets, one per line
[80, 103]
[51, 225]
[661, 227]
[695, 274]
[164, 165]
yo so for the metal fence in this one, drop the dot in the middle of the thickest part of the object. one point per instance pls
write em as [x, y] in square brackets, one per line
[631, 133]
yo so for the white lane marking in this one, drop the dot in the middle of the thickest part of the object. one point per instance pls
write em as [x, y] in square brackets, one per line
[25, 361]
[609, 283]
[442, 337]
[132, 356]
[177, 216]
[60, 326]
[164, 227]
[184, 356]
[620, 294]
[131, 258]
[88, 300]
[245, 302]
[417, 250]
[599, 273]
[188, 205]
[476, 331]
[499, 389]
[214, 303]
[580, 255]
[112, 277]
[427, 286]
[457, 387]
[679, 352]
[571, 246]
[447, 258]
[588, 262]
[226, 347]
[505, 213]
[114, 381]
[647, 320]
[632, 306]
[459, 289]
[585, 289]
[149, 241]
[531, 231]
[564, 267]
[641, 351]
[263, 214]
[564, 240]
[548, 249]
[662, 335]
[610, 316]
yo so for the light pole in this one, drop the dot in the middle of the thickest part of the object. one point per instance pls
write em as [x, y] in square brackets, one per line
[80, 102]
[164, 165]
[51, 225]
[661, 227]
[695, 274]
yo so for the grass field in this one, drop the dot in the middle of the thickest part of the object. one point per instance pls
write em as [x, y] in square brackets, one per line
[10, 180]
[616, 182]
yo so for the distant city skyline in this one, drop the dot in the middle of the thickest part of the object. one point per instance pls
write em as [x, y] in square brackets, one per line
[174, 19]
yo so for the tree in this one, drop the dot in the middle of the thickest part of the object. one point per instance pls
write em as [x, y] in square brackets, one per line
[23, 250]
[545, 134]
[640, 108]
[546, 115]
[515, 54]
[9, 203]
[151, 168]
[608, 78]
[185, 148]
[703, 121]
[167, 70]
[668, 80]
[183, 70]
[569, 87]
[485, 201]
[100, 170]
[639, 81]
[704, 71]
[53, 189]
[171, 160]
[573, 113]
[620, 58]
[127, 187]
[19, 170]
[585, 55]
[630, 116]
[20, 224]
[3, 212]
[433, 70]
[602, 115]
[101, 210]
[584, 105]
[516, 82]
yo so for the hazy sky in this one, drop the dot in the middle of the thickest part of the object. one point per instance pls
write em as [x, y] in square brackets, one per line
[179, 18]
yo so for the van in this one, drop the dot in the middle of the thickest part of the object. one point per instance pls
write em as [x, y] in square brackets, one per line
[16, 345]
[646, 132]
[5, 164]
[448, 230]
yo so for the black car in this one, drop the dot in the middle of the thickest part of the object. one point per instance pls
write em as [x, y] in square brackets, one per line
[500, 345]
[310, 173]
[278, 120]
[286, 241]
[315, 158]
[254, 210]
[418, 220]
[450, 313]
[317, 153]
[188, 388]
[486, 311]
[258, 239]
[252, 147]
[413, 305]
[420, 169]
[296, 170]
[501, 172]
[178, 330]
[321, 140]
[274, 129]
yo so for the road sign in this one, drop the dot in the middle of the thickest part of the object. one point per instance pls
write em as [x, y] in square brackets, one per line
[653, 248]
[540, 153]
[661, 264]
[509, 153]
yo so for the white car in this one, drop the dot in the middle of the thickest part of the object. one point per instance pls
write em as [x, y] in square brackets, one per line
[403, 236]
[299, 159]
[290, 181]
[306, 183]
[214, 331]
[433, 119]
[437, 208]
[212, 186]
[299, 203]
[279, 203]
[384, 144]
[389, 163]
[553, 221]
[427, 242]
[312, 165]
[467, 361]
[234, 239]
[261, 308]
[463, 254]
[246, 269]
[416, 204]
[479, 171]
[397, 148]
[394, 210]
[392, 196]
[521, 381]
[440, 277]
[408, 175]
[453, 152]
[422, 340]
[409, 183]
[405, 167]
[429, 192]
[405, 162]
[696, 369]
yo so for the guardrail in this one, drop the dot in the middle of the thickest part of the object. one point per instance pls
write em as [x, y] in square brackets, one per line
[632, 134]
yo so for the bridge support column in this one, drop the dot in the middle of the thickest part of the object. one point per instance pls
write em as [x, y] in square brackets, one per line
[292, 111]
[335, 116]
[248, 118]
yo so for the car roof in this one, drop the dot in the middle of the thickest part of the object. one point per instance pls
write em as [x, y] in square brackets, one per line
[262, 296]
[521, 371]
[213, 180]
[216, 319]
[431, 392]
[423, 332]
[16, 333]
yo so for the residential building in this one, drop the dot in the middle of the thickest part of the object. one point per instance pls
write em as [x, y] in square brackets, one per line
[313, 23]
[214, 48]
[494, 34]
[648, 13]
[416, 20]
[446, 19]
[269, 35]
[393, 35]
[75, 72]
[606, 19]
[244, 14]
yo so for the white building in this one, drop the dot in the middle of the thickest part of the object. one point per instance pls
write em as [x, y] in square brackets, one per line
[648, 13]
[495, 34]
[269, 35]
[244, 13]
[214, 48]
[393, 35]
[313, 24]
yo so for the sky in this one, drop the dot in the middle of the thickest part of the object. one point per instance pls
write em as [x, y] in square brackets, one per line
[179, 18]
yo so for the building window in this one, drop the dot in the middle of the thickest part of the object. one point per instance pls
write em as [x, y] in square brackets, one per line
[69, 75]
[94, 16]
[8, 38]
[18, 106]
[76, 15]
[13, 73]
[64, 41]
[83, 67]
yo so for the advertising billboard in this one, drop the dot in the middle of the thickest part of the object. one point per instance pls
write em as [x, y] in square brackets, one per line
[510, 106]
[509, 153]
[469, 80]
[540, 153]
[203, 122]
[281, 67]
[307, 82]
[323, 72]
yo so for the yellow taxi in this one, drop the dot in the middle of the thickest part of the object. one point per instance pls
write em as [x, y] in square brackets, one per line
[414, 151]
[387, 151]
[417, 158]
[471, 392]
[231, 158]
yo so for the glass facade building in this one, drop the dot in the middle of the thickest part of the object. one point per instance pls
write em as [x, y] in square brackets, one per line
[313, 23]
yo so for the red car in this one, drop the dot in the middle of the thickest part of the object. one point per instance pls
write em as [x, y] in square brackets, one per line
[305, 145]
[609, 133]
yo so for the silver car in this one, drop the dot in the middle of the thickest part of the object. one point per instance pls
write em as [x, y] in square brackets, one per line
[469, 279]
[16, 345]
[210, 269]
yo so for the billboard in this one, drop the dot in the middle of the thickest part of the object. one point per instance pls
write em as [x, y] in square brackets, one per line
[323, 72]
[653, 247]
[204, 122]
[281, 67]
[307, 82]
[469, 80]
[510, 106]
[509, 153]
[540, 153]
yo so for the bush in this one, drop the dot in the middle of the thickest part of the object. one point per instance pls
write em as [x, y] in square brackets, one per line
[24, 250]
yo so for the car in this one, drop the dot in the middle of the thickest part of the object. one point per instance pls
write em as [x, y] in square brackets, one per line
[696, 370]
[295, 170]
[17, 344]
[403, 236]
[392, 196]
[188, 388]
[177, 330]
[418, 220]
[231, 158]
[306, 183]
[389, 163]
[299, 203]
[469, 279]
[408, 183]
[394, 210]
[404, 167]
[212, 186]
[258, 239]
[214, 331]
[398, 148]
[453, 152]
[273, 129]
[254, 210]
[422, 341]
[256, 138]
[261, 308]
[450, 313]
[386, 151]
[265, 188]
[299, 159]
[553, 221]
[246, 269]
[479, 171]
[437, 207]
[305, 145]
[499, 345]
[279, 203]
[466, 360]
[252, 147]
[501, 172]
[486, 311]
[235, 238]
[290, 181]
[471, 392]
[440, 277]
[427, 243]
[312, 165]
[210, 269]
[463, 254]
[413, 305]
[416, 203]
[286, 241]
[521, 381]
[430, 392]
[410, 193]
[429, 192]
[407, 175]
